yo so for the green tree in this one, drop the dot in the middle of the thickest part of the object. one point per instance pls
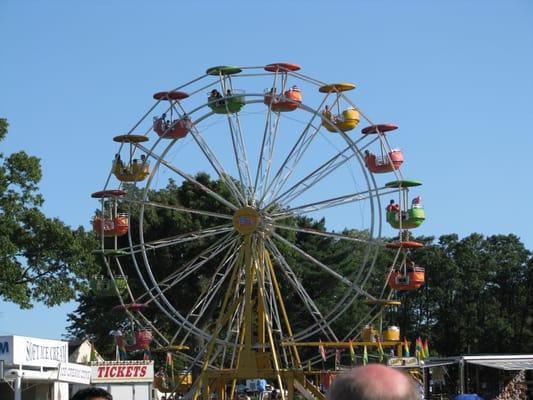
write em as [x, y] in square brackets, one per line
[477, 296]
[41, 258]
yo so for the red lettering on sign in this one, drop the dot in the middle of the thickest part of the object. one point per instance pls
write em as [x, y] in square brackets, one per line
[100, 371]
[121, 372]
[129, 371]
[113, 372]
[137, 368]
[143, 371]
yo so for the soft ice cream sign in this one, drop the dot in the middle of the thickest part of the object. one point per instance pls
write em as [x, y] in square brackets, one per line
[22, 350]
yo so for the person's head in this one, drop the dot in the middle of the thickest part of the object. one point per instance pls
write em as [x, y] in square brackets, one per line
[392, 201]
[373, 382]
[92, 393]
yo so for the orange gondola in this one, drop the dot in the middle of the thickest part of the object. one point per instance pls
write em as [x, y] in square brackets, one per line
[289, 101]
[413, 279]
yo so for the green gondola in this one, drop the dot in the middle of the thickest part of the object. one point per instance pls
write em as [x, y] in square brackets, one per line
[104, 287]
[229, 104]
[412, 218]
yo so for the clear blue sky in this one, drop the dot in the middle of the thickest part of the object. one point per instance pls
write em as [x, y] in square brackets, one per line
[456, 76]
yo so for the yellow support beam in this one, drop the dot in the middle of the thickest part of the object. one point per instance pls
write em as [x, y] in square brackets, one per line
[342, 344]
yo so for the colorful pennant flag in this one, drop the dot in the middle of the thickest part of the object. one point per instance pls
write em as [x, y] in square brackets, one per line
[406, 348]
[352, 352]
[365, 356]
[419, 351]
[426, 349]
[322, 351]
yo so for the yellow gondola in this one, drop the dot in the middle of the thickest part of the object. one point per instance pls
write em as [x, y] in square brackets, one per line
[346, 121]
[132, 172]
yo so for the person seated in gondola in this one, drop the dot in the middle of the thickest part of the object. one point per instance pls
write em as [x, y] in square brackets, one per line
[327, 113]
[411, 267]
[165, 123]
[215, 94]
[417, 202]
[228, 93]
[144, 163]
[118, 162]
[135, 166]
[393, 207]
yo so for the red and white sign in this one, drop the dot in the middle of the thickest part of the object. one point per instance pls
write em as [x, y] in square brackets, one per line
[123, 371]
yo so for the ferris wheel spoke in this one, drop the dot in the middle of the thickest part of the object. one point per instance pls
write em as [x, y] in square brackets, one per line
[180, 239]
[324, 267]
[293, 158]
[301, 292]
[314, 177]
[222, 174]
[193, 265]
[333, 202]
[180, 209]
[320, 233]
[207, 295]
[264, 161]
[241, 157]
[191, 179]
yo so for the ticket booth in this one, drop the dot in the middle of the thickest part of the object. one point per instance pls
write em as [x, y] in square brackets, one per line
[125, 380]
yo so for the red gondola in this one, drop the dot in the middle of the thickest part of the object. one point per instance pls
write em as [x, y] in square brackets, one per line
[382, 164]
[172, 130]
[117, 226]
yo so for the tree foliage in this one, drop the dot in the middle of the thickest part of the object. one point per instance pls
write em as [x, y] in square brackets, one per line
[41, 258]
[477, 298]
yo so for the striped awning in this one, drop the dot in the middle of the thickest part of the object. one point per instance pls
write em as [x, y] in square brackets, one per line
[511, 363]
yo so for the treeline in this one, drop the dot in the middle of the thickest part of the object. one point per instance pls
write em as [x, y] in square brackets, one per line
[477, 298]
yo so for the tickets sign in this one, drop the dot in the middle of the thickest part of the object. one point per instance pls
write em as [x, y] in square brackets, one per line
[128, 371]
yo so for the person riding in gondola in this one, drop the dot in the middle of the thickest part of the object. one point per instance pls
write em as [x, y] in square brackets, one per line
[393, 207]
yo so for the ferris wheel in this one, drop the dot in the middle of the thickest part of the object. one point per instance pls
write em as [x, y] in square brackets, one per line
[288, 172]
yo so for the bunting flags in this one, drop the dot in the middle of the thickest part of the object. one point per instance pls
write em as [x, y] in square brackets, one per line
[352, 352]
[365, 356]
[406, 348]
[322, 351]
[426, 349]
[380, 351]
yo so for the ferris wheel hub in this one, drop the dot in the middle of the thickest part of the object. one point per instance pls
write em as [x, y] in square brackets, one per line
[246, 220]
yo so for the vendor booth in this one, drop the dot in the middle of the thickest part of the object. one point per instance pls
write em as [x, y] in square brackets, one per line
[125, 380]
[37, 369]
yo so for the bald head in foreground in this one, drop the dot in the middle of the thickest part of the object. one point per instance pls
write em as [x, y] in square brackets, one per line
[373, 382]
